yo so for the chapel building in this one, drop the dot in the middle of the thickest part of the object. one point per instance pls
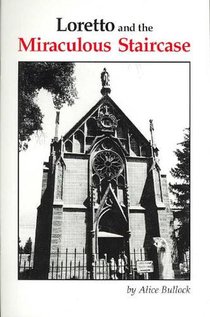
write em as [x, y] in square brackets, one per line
[102, 193]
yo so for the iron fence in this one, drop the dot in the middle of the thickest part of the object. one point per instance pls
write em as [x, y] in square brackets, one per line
[74, 266]
[25, 265]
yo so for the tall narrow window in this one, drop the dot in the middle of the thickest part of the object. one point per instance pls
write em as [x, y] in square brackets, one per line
[134, 146]
[120, 190]
[78, 143]
[121, 131]
[91, 127]
[68, 146]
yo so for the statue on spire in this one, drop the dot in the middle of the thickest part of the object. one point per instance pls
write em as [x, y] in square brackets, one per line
[105, 81]
[105, 78]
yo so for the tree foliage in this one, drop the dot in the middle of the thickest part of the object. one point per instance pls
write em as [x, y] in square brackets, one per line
[181, 191]
[20, 248]
[57, 78]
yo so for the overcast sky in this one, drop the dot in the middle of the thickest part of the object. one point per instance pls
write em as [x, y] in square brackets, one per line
[158, 91]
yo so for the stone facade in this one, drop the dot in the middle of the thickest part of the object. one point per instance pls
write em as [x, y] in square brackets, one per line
[102, 190]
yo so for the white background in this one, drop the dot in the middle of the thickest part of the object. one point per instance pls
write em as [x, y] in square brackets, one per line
[172, 20]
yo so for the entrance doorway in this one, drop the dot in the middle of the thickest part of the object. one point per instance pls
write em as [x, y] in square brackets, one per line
[110, 247]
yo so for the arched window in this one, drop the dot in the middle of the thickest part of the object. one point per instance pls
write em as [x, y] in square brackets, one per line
[91, 127]
[68, 146]
[120, 190]
[121, 131]
[78, 143]
[134, 146]
[96, 188]
[95, 180]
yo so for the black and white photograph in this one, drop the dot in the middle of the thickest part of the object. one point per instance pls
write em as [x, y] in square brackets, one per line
[104, 170]
[104, 128]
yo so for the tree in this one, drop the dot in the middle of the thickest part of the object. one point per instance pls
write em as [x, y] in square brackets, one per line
[20, 248]
[28, 246]
[57, 78]
[181, 191]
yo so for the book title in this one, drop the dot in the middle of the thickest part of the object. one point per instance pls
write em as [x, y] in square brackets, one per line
[124, 43]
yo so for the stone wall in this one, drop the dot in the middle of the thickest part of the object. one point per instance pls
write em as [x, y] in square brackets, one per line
[138, 230]
[75, 189]
[73, 230]
[137, 174]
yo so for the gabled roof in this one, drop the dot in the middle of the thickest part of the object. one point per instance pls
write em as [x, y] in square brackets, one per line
[105, 98]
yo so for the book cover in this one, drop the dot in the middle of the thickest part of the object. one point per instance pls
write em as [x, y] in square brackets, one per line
[103, 193]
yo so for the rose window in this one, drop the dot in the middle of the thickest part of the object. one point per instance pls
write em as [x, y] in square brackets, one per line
[107, 164]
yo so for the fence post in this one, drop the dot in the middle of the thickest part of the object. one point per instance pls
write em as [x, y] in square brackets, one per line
[83, 263]
[52, 269]
[61, 270]
[79, 270]
[66, 271]
[70, 267]
[57, 264]
[75, 256]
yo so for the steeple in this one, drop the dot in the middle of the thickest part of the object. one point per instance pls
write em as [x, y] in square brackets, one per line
[105, 81]
[57, 121]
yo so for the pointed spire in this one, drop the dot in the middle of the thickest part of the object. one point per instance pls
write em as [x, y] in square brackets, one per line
[151, 128]
[105, 81]
[154, 149]
[57, 122]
